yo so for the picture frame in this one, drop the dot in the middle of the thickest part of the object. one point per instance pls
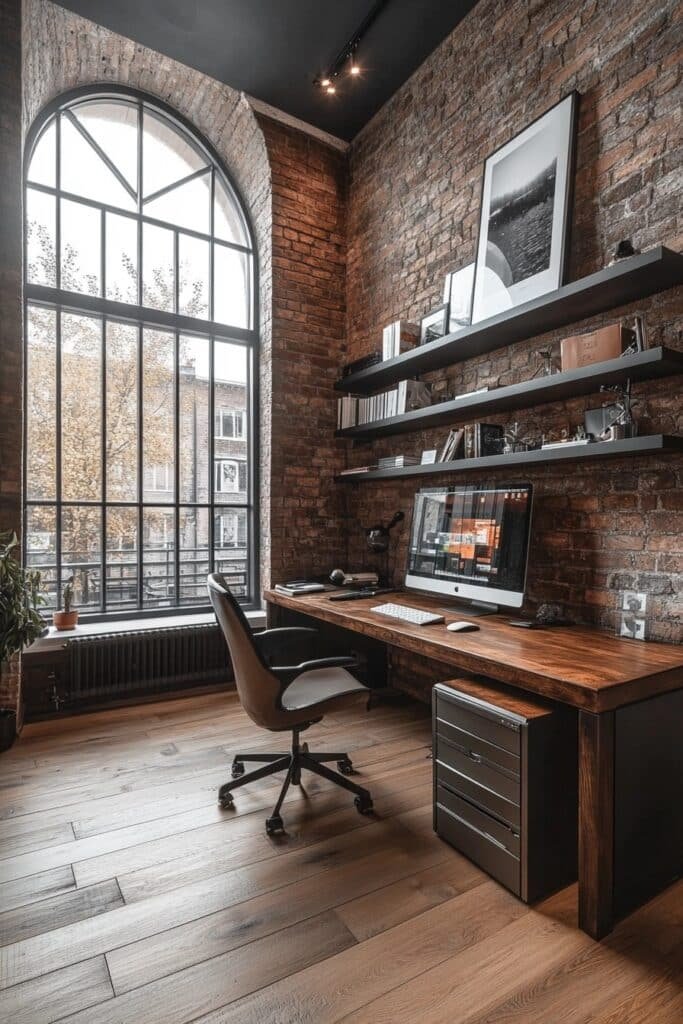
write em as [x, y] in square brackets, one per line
[525, 211]
[458, 291]
[434, 325]
[633, 615]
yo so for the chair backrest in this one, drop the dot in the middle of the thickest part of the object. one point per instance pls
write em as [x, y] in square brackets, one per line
[258, 688]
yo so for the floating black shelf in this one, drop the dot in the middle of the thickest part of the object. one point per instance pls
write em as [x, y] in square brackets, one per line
[627, 281]
[655, 362]
[654, 444]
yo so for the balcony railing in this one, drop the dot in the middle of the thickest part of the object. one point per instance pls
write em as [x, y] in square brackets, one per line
[158, 580]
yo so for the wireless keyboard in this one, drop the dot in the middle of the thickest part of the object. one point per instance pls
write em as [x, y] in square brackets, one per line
[413, 616]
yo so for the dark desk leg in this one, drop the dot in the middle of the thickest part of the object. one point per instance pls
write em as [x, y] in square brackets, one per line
[596, 823]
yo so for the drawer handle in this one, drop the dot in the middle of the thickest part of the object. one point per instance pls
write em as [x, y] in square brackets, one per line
[475, 757]
[495, 841]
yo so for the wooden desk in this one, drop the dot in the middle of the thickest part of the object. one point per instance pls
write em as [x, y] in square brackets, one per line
[629, 698]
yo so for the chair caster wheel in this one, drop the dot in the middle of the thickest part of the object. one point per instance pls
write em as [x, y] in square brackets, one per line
[237, 769]
[226, 801]
[345, 766]
[363, 804]
[274, 825]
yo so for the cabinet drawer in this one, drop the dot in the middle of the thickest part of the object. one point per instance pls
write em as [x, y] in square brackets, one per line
[474, 767]
[494, 727]
[467, 742]
[489, 800]
[479, 848]
[490, 828]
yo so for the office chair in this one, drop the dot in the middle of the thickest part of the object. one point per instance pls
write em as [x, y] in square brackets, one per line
[283, 698]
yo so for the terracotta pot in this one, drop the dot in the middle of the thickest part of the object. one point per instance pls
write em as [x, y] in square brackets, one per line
[65, 620]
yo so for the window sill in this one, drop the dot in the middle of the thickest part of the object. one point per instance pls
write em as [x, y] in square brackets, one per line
[55, 638]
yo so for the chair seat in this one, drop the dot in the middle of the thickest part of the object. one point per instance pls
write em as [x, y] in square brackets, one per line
[318, 685]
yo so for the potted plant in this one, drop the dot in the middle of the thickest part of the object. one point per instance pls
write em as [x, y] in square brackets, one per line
[20, 619]
[67, 618]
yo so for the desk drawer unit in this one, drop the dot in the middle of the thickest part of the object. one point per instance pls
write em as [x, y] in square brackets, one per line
[505, 786]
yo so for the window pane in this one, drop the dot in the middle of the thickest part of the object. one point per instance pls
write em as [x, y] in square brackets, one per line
[41, 402]
[158, 273]
[194, 555]
[193, 260]
[230, 547]
[43, 166]
[194, 419]
[187, 205]
[81, 249]
[232, 289]
[122, 557]
[114, 127]
[84, 173]
[166, 155]
[81, 553]
[122, 411]
[41, 548]
[41, 245]
[158, 557]
[122, 258]
[228, 222]
[231, 411]
[158, 415]
[81, 408]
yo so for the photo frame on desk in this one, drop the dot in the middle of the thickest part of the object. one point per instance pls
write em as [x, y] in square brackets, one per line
[525, 211]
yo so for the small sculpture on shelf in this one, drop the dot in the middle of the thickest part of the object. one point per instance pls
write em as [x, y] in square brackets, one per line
[548, 363]
[516, 440]
[623, 424]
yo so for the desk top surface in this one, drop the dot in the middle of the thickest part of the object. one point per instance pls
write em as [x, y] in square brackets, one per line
[577, 665]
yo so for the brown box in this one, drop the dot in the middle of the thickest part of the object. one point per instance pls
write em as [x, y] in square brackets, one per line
[596, 347]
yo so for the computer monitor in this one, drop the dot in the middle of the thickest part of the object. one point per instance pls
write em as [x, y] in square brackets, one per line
[471, 543]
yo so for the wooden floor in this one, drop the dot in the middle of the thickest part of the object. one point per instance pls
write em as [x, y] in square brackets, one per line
[127, 895]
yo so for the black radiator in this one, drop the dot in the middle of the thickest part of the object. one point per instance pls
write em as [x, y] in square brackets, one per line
[96, 670]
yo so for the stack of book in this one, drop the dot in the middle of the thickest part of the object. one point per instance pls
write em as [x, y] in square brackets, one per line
[397, 461]
[399, 337]
[409, 394]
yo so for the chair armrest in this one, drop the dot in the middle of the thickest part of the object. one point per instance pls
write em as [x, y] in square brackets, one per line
[270, 640]
[287, 673]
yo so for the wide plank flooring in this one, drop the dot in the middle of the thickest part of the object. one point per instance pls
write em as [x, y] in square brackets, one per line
[127, 895]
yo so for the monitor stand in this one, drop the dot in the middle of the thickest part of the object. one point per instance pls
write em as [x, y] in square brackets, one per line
[470, 609]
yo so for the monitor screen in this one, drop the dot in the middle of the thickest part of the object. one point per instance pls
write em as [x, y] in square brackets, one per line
[471, 542]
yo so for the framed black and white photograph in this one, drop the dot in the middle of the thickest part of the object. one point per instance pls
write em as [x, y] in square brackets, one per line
[434, 325]
[525, 209]
[633, 618]
[457, 292]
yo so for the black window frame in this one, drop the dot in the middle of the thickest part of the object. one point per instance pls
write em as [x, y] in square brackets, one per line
[143, 317]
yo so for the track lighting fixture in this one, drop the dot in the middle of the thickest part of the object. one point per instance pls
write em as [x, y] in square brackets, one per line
[347, 55]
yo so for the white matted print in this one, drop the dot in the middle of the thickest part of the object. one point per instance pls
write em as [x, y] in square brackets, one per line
[524, 214]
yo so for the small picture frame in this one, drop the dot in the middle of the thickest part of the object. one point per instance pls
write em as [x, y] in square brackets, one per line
[633, 615]
[428, 456]
[434, 324]
[458, 290]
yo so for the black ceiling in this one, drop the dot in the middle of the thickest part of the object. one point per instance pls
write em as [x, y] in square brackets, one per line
[273, 49]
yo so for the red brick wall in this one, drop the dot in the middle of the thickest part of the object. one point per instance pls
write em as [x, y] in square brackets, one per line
[11, 346]
[309, 265]
[415, 185]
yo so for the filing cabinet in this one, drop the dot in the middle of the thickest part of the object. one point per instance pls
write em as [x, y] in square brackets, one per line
[505, 784]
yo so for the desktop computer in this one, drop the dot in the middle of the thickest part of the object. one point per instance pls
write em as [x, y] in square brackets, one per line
[471, 544]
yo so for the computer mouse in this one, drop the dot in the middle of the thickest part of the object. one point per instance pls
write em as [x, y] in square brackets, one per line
[461, 627]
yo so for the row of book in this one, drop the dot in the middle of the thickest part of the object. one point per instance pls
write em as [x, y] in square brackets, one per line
[474, 441]
[353, 411]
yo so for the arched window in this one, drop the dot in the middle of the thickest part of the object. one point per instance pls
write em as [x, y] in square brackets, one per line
[140, 360]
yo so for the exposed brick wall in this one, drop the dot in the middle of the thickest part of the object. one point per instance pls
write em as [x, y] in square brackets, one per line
[11, 345]
[309, 265]
[415, 186]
